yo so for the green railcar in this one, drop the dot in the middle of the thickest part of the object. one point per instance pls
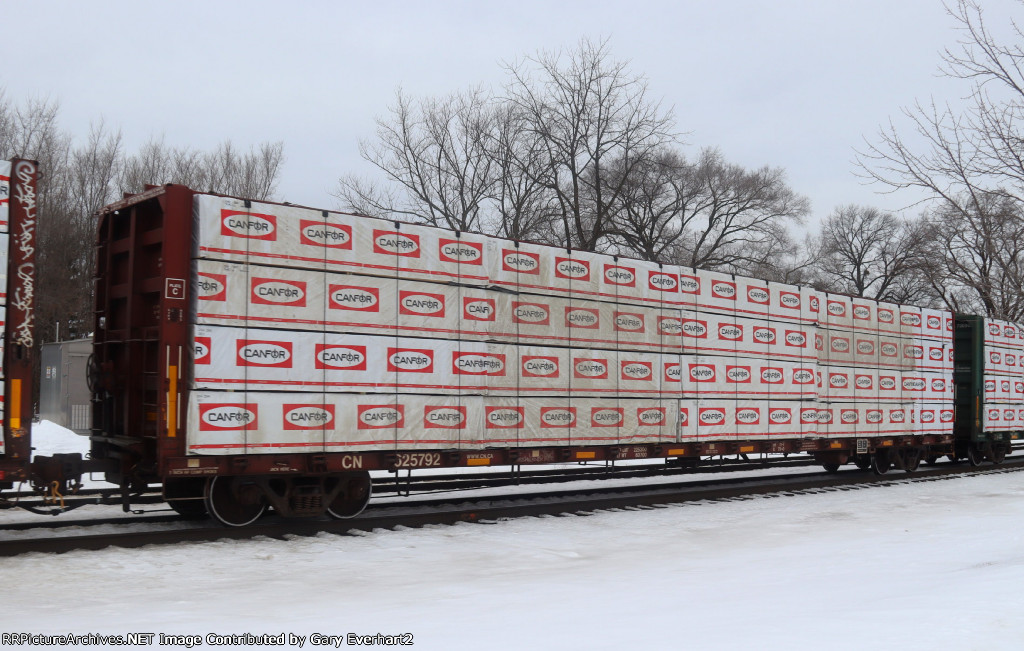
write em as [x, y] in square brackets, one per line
[974, 440]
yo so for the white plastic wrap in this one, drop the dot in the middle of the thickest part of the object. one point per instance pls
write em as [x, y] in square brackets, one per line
[888, 317]
[5, 198]
[838, 309]
[719, 292]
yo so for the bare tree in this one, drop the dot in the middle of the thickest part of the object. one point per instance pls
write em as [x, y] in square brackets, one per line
[970, 163]
[596, 124]
[436, 152]
[866, 252]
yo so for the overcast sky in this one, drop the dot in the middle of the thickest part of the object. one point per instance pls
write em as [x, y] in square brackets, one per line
[798, 84]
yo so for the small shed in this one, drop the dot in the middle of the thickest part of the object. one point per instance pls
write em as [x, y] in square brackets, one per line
[63, 390]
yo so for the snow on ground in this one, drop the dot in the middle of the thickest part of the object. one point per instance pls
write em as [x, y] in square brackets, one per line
[934, 565]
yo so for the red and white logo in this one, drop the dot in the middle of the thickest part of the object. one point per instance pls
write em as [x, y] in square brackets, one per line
[670, 326]
[538, 366]
[444, 417]
[702, 372]
[459, 252]
[212, 287]
[771, 375]
[789, 300]
[662, 282]
[863, 381]
[201, 350]
[796, 339]
[228, 417]
[849, 416]
[283, 293]
[410, 360]
[689, 284]
[478, 309]
[396, 243]
[764, 335]
[490, 364]
[341, 357]
[629, 322]
[606, 416]
[504, 417]
[803, 376]
[839, 344]
[557, 417]
[353, 297]
[572, 269]
[889, 349]
[380, 416]
[268, 354]
[836, 308]
[780, 416]
[324, 234]
[737, 374]
[619, 275]
[531, 313]
[730, 332]
[421, 304]
[590, 369]
[674, 372]
[307, 417]
[897, 416]
[838, 380]
[636, 370]
[758, 295]
[582, 317]
[695, 328]
[808, 415]
[710, 416]
[253, 226]
[650, 416]
[865, 347]
[912, 319]
[861, 312]
[885, 316]
[724, 290]
[520, 262]
[748, 416]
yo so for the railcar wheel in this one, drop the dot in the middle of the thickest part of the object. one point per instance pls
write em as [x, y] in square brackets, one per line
[234, 501]
[880, 463]
[352, 499]
[932, 459]
[998, 454]
[975, 455]
[862, 461]
[830, 468]
[911, 458]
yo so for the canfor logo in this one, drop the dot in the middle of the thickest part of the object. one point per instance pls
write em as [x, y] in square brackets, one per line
[702, 372]
[444, 417]
[865, 347]
[888, 349]
[808, 416]
[201, 350]
[650, 416]
[572, 269]
[606, 416]
[825, 416]
[670, 326]
[885, 315]
[380, 416]
[772, 375]
[662, 282]
[282, 293]
[933, 322]
[803, 376]
[537, 366]
[478, 309]
[253, 226]
[582, 317]
[994, 329]
[459, 252]
[1008, 414]
[341, 357]
[396, 243]
[927, 415]
[873, 416]
[994, 357]
[836, 308]
[838, 380]
[619, 275]
[946, 416]
[911, 319]
[695, 328]
[897, 416]
[228, 417]
[780, 416]
[684, 416]
[724, 290]
[490, 364]
[849, 416]
[935, 354]
[211, 287]
[839, 344]
[710, 416]
[531, 313]
[629, 322]
[590, 369]
[758, 295]
[913, 384]
[764, 335]
[990, 386]
[557, 417]
[861, 312]
[748, 416]
[410, 360]
[636, 370]
[730, 332]
[863, 381]
[421, 304]
[796, 339]
[331, 236]
[268, 354]
[520, 262]
[689, 284]
[354, 297]
[504, 417]
[674, 372]
[814, 303]
[913, 352]
[789, 300]
[737, 374]
[1010, 332]
[307, 417]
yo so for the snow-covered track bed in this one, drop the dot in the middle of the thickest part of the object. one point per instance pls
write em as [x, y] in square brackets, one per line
[394, 515]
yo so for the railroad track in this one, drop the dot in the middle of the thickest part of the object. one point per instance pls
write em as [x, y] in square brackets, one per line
[452, 510]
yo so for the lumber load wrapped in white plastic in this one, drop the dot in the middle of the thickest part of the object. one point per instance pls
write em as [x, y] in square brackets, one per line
[887, 315]
[4, 244]
[838, 312]
[716, 420]
[718, 292]
[790, 304]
